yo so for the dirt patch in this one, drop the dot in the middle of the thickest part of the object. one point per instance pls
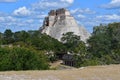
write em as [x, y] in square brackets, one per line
[110, 72]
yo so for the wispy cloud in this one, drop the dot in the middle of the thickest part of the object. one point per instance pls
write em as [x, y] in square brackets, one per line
[109, 17]
[83, 11]
[81, 16]
[69, 1]
[15, 23]
[112, 5]
[51, 4]
[22, 11]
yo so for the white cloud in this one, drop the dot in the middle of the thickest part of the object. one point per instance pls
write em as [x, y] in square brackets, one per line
[81, 16]
[113, 4]
[17, 24]
[83, 11]
[69, 1]
[6, 19]
[109, 17]
[8, 0]
[22, 11]
[2, 19]
[30, 21]
[115, 1]
[51, 4]
[10, 18]
[6, 22]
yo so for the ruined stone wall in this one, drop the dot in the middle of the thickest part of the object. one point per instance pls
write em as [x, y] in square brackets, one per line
[54, 15]
[59, 12]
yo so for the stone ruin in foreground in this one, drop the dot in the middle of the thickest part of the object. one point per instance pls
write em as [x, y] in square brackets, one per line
[59, 22]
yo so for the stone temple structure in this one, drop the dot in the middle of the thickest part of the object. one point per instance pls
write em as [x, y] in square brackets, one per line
[59, 22]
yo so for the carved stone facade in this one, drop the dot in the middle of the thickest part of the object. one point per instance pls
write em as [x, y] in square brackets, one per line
[59, 22]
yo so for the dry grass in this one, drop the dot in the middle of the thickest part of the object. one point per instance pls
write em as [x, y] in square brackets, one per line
[110, 72]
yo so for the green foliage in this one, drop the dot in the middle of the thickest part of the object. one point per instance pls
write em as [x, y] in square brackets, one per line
[103, 47]
[52, 58]
[71, 41]
[32, 39]
[22, 59]
[0, 38]
[80, 53]
[45, 42]
[75, 46]
[8, 37]
[90, 62]
[21, 36]
[104, 43]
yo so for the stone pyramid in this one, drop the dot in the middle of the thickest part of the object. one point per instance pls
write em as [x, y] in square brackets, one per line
[59, 22]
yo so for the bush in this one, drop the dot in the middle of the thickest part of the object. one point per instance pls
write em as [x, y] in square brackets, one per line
[91, 62]
[22, 59]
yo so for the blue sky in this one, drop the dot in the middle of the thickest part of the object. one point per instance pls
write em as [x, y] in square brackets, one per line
[29, 14]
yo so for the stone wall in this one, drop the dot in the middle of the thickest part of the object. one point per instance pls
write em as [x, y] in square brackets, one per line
[54, 15]
[59, 12]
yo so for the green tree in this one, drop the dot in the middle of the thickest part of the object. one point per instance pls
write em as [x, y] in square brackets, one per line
[99, 42]
[8, 36]
[70, 40]
[1, 37]
[21, 36]
[80, 54]
[104, 44]
[75, 46]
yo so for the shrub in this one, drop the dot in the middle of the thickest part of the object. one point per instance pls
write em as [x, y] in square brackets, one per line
[22, 59]
[90, 62]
